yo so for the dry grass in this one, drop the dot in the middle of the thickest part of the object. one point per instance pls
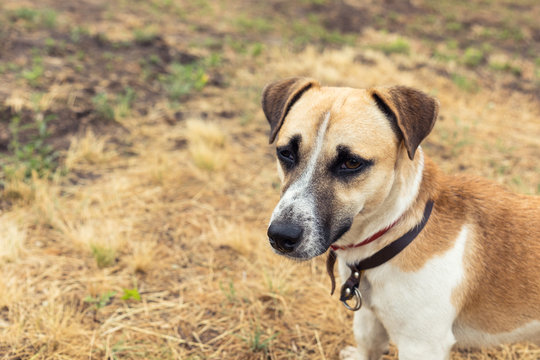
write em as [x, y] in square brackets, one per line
[182, 218]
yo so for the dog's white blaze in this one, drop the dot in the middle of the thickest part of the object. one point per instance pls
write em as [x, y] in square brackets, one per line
[415, 307]
[300, 197]
[312, 164]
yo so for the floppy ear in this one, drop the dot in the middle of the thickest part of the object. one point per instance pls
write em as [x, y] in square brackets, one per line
[412, 111]
[278, 98]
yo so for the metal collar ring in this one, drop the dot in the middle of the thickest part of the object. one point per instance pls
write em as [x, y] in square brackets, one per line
[358, 301]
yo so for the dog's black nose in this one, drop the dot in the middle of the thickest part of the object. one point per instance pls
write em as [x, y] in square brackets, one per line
[284, 237]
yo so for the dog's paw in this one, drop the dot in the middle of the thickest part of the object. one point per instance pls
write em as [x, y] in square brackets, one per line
[350, 353]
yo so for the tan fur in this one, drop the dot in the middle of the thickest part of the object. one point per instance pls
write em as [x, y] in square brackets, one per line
[502, 288]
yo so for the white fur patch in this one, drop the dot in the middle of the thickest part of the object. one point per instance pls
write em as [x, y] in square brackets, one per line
[415, 307]
[298, 200]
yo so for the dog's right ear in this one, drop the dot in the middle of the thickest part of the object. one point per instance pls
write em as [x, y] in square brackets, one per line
[278, 98]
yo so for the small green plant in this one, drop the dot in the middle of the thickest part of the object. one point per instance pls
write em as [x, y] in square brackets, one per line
[184, 79]
[229, 292]
[103, 107]
[77, 33]
[32, 154]
[398, 46]
[23, 13]
[124, 102]
[257, 49]
[144, 36]
[34, 18]
[104, 255]
[505, 67]
[510, 34]
[454, 26]
[34, 74]
[249, 24]
[465, 83]
[48, 18]
[444, 56]
[256, 342]
[131, 294]
[473, 57]
[101, 301]
[312, 31]
[53, 47]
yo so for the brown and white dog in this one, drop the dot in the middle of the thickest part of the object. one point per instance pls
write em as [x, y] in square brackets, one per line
[351, 165]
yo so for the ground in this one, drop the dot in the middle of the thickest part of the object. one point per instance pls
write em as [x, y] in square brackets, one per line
[137, 180]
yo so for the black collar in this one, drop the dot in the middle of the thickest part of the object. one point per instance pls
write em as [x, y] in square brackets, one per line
[380, 257]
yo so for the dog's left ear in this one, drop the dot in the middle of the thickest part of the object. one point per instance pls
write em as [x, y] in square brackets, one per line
[413, 111]
[278, 98]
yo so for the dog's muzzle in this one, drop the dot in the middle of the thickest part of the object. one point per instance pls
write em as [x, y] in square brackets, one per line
[284, 237]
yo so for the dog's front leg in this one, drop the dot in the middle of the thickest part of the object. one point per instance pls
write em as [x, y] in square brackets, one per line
[370, 335]
[415, 348]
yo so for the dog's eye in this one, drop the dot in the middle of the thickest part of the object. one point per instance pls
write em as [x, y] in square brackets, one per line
[351, 164]
[286, 156]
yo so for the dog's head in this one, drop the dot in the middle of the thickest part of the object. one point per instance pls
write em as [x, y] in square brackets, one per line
[337, 150]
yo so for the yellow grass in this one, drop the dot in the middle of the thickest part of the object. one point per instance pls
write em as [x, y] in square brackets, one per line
[183, 219]
[12, 239]
[89, 149]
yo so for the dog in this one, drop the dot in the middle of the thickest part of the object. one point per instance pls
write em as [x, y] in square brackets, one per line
[432, 261]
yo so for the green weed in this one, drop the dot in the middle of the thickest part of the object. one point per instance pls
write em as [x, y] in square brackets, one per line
[184, 79]
[454, 26]
[103, 107]
[33, 154]
[305, 33]
[510, 34]
[48, 18]
[256, 342]
[473, 57]
[505, 67]
[23, 13]
[101, 301]
[248, 24]
[124, 102]
[257, 49]
[35, 18]
[77, 33]
[444, 56]
[145, 36]
[398, 46]
[105, 256]
[131, 294]
[34, 74]
[230, 291]
[465, 83]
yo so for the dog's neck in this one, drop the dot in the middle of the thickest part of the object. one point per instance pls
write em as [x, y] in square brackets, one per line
[403, 206]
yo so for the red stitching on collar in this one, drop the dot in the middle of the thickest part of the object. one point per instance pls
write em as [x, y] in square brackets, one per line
[367, 241]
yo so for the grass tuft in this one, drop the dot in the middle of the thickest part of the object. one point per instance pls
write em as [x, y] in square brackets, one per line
[104, 255]
[206, 145]
[11, 240]
[88, 150]
[398, 46]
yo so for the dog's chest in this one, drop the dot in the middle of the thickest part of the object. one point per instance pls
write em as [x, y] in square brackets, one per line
[404, 300]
